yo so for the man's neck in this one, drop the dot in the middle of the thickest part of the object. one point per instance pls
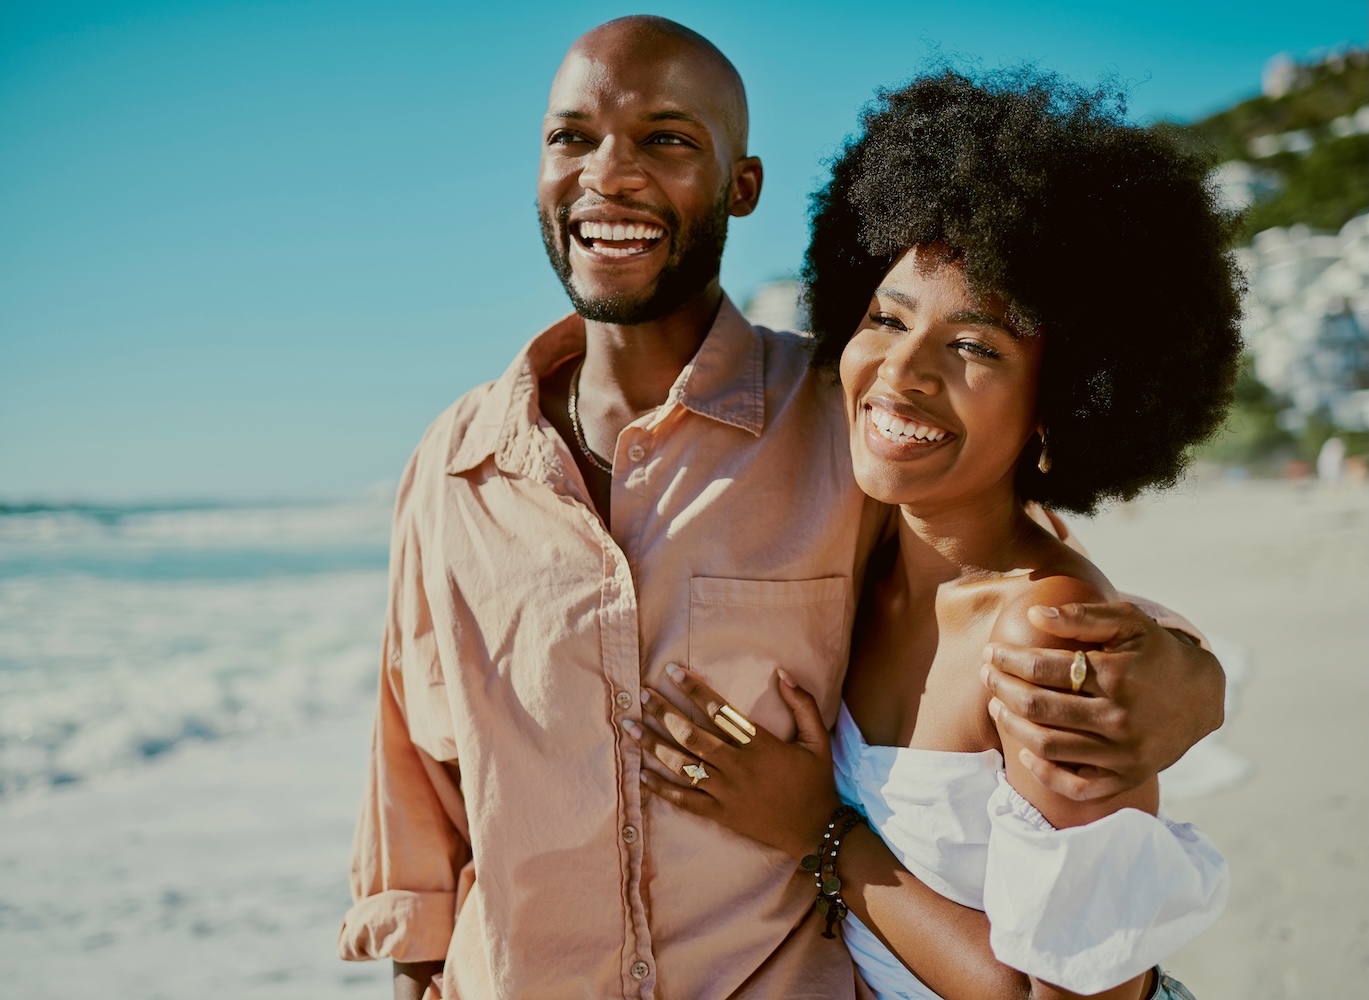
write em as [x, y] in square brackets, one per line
[629, 370]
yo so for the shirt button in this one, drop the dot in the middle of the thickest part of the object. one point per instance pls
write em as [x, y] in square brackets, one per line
[629, 835]
[624, 699]
[640, 970]
[636, 453]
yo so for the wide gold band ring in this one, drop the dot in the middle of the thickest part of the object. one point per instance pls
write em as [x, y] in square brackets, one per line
[695, 773]
[734, 724]
[1079, 671]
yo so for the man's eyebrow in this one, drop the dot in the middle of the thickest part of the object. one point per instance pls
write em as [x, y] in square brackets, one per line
[572, 116]
[970, 317]
[674, 116]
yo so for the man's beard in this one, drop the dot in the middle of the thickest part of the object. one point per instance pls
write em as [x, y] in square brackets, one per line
[695, 258]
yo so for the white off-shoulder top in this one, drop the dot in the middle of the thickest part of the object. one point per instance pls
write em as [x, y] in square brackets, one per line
[1085, 908]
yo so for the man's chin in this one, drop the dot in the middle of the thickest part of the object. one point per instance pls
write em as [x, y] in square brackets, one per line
[619, 309]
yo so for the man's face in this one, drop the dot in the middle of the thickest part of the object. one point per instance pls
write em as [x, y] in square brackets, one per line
[637, 179]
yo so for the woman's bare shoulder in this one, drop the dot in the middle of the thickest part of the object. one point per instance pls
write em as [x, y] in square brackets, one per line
[1063, 576]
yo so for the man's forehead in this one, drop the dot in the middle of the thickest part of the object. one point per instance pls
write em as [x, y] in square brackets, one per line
[667, 83]
[659, 83]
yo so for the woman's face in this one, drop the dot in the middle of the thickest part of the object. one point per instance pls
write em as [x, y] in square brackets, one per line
[940, 392]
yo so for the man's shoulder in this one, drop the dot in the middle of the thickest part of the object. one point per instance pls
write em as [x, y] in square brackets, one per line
[789, 372]
[444, 436]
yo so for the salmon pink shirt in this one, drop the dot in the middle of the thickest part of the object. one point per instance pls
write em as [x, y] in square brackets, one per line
[504, 827]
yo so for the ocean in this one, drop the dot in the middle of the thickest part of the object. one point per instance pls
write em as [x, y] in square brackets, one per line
[129, 631]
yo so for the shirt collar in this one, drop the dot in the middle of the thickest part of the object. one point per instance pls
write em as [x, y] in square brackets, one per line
[725, 381]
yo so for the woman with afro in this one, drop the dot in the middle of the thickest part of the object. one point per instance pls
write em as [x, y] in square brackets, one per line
[1031, 305]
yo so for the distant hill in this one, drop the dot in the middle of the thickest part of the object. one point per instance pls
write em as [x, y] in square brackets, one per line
[1306, 139]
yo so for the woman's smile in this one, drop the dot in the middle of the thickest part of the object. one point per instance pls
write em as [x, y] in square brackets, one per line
[941, 391]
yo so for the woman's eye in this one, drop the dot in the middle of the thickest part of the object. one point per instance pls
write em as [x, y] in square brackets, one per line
[884, 319]
[975, 348]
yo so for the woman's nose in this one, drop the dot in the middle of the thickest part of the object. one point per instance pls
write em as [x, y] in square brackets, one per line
[613, 168]
[911, 364]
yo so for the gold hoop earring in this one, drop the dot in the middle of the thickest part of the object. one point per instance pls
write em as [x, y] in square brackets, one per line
[1043, 461]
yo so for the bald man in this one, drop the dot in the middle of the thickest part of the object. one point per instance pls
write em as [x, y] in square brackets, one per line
[652, 481]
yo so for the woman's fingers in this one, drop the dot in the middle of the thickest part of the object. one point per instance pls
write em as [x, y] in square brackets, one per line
[725, 718]
[811, 730]
[671, 757]
[689, 799]
[708, 700]
[690, 736]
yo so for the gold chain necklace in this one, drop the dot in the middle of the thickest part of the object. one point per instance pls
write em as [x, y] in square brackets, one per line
[574, 409]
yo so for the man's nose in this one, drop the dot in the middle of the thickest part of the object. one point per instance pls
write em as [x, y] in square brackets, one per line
[613, 168]
[913, 364]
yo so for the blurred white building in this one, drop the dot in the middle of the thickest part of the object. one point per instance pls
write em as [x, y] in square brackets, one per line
[1306, 318]
[776, 304]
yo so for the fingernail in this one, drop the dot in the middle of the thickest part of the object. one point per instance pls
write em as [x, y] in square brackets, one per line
[646, 697]
[634, 730]
[1048, 612]
[641, 775]
[784, 676]
[1025, 756]
[988, 653]
[984, 674]
[674, 671]
[995, 708]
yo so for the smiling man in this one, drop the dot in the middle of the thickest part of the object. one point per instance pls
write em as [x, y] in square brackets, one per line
[652, 481]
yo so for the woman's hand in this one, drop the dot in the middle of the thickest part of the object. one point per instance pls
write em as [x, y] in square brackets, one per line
[780, 794]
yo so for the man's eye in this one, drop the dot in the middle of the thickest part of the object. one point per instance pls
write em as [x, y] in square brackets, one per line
[667, 139]
[884, 319]
[563, 138]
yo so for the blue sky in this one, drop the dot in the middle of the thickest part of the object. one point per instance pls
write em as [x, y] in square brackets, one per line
[251, 249]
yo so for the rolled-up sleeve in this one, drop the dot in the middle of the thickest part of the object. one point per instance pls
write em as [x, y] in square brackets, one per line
[411, 851]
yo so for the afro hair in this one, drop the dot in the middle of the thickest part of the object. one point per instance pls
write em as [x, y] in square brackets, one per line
[1104, 237]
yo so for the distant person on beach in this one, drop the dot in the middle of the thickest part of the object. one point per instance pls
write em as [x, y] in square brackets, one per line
[963, 275]
[656, 481]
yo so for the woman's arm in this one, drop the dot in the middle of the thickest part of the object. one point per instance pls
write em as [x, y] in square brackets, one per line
[781, 794]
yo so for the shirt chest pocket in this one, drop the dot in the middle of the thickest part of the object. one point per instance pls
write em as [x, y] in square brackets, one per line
[740, 631]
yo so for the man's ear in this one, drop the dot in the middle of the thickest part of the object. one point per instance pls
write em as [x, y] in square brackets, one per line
[747, 176]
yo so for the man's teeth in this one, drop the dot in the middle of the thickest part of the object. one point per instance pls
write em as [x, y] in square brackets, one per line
[897, 429]
[619, 231]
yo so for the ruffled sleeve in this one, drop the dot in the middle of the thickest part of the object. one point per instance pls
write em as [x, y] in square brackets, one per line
[1090, 907]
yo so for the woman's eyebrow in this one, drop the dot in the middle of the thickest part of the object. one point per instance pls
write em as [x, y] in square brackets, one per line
[969, 317]
[974, 317]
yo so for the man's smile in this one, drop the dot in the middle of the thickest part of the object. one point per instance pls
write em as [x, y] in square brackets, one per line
[616, 237]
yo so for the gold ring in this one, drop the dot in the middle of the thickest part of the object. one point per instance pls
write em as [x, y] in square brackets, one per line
[734, 724]
[695, 773]
[1079, 671]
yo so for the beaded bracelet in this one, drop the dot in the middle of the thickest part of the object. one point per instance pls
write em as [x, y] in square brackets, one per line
[823, 865]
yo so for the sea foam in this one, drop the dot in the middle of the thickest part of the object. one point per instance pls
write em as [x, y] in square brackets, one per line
[126, 631]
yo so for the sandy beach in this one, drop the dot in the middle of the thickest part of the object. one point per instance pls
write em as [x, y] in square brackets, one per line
[219, 870]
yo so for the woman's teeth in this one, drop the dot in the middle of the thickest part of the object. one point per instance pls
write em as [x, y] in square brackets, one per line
[897, 429]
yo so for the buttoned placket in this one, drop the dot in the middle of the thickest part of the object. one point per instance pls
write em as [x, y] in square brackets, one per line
[547, 460]
[630, 504]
